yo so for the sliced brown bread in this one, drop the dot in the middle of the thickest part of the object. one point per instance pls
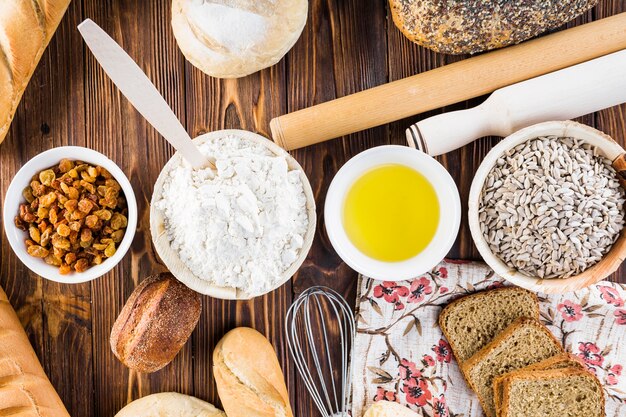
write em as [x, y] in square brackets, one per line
[473, 321]
[553, 393]
[561, 361]
[526, 341]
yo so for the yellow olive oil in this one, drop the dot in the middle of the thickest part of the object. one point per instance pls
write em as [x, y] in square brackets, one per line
[391, 213]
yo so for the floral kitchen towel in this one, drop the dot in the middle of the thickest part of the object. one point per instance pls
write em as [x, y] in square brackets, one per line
[401, 355]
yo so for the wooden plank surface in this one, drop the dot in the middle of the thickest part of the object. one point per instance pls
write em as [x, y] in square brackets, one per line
[347, 46]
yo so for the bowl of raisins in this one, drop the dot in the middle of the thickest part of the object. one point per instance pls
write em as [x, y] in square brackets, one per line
[70, 214]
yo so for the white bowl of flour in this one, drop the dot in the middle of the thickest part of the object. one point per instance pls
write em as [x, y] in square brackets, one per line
[245, 231]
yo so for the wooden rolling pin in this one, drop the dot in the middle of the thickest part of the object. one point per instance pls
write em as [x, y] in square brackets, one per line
[449, 84]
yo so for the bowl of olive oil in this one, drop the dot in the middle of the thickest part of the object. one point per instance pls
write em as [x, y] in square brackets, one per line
[392, 212]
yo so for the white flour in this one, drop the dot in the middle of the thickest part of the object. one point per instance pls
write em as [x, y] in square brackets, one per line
[244, 227]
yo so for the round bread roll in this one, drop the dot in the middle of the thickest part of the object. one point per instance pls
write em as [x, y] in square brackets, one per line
[389, 409]
[470, 26]
[169, 404]
[234, 38]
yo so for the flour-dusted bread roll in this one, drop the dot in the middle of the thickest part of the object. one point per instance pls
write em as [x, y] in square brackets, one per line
[155, 323]
[470, 26]
[234, 38]
[169, 404]
[249, 380]
[26, 27]
[389, 409]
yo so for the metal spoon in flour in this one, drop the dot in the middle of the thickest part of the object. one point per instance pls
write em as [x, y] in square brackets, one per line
[142, 94]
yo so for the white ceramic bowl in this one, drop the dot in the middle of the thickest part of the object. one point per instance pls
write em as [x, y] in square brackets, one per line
[607, 265]
[171, 258]
[449, 217]
[14, 198]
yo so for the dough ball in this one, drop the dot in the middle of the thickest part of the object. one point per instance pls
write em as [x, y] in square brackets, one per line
[235, 38]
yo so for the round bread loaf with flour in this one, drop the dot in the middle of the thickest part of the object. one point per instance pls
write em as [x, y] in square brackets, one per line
[155, 323]
[169, 404]
[470, 26]
[234, 38]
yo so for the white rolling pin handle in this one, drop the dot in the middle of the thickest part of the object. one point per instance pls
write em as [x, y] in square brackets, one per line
[449, 131]
[561, 95]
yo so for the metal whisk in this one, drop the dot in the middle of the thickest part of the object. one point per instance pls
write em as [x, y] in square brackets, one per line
[319, 325]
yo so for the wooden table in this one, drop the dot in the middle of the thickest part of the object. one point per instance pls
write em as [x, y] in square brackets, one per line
[347, 46]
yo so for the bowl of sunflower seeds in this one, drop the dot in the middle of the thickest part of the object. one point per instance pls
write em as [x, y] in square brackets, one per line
[546, 207]
[70, 214]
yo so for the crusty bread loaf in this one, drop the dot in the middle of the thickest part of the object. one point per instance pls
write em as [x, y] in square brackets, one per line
[471, 322]
[249, 379]
[524, 342]
[470, 26]
[26, 27]
[553, 393]
[389, 409]
[169, 404]
[234, 38]
[155, 323]
[25, 390]
[561, 361]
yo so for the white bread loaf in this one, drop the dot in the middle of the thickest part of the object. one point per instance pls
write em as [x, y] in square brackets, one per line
[26, 27]
[389, 409]
[249, 380]
[234, 38]
[25, 390]
[169, 404]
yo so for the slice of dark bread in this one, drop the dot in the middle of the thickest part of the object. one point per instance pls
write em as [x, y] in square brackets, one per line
[562, 361]
[553, 393]
[473, 321]
[525, 342]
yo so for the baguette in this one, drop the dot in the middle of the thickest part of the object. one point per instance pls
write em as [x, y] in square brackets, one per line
[26, 27]
[25, 390]
[249, 380]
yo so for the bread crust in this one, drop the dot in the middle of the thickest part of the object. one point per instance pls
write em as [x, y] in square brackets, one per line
[448, 309]
[250, 382]
[26, 27]
[551, 363]
[155, 323]
[169, 404]
[546, 375]
[471, 26]
[484, 352]
[25, 386]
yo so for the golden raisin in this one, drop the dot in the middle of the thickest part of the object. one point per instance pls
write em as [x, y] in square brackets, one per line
[35, 234]
[46, 177]
[91, 221]
[81, 265]
[53, 260]
[103, 214]
[110, 250]
[60, 242]
[85, 205]
[70, 258]
[65, 269]
[48, 199]
[85, 235]
[118, 221]
[28, 195]
[65, 165]
[71, 205]
[117, 236]
[63, 230]
[37, 251]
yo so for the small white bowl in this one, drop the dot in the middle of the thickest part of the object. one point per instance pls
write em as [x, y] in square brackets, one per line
[449, 216]
[14, 198]
[608, 264]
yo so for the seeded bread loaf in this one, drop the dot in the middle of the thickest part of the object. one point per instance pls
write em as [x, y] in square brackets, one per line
[473, 321]
[553, 393]
[556, 362]
[525, 342]
[470, 26]
[155, 323]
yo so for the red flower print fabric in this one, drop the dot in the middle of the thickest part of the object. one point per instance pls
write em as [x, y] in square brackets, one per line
[400, 354]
